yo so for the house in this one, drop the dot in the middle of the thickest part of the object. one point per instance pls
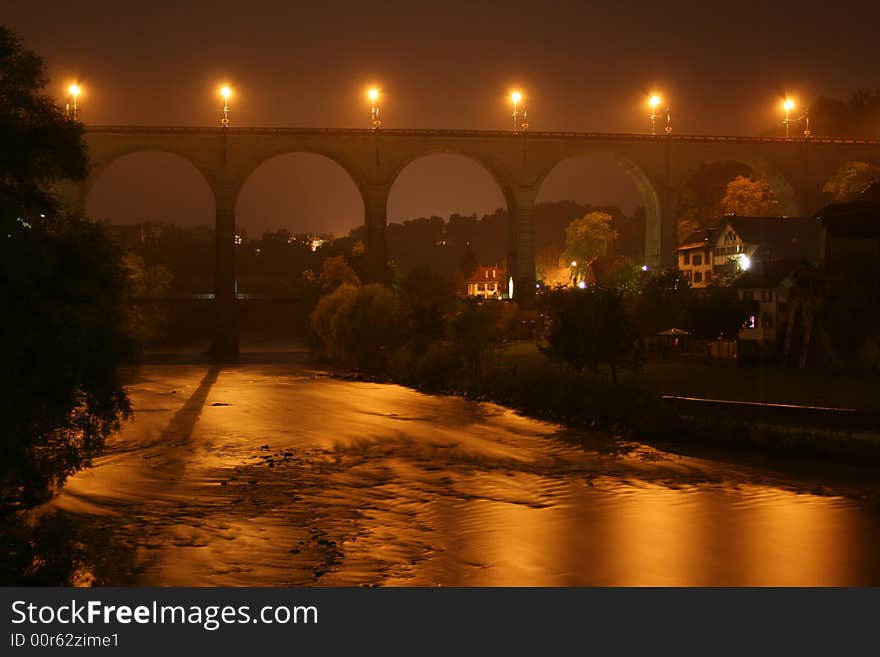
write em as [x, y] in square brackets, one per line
[736, 242]
[851, 231]
[739, 241]
[488, 283]
[851, 259]
[766, 287]
[695, 257]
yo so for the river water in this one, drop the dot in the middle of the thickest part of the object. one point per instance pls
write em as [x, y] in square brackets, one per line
[269, 475]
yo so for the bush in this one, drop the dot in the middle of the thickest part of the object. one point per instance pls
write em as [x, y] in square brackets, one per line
[359, 326]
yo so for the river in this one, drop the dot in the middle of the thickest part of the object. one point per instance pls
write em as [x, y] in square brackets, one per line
[273, 475]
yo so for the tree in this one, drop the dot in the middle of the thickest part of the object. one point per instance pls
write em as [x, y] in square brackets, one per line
[146, 281]
[469, 263]
[750, 198]
[588, 237]
[359, 326]
[63, 335]
[851, 180]
[336, 272]
[699, 204]
[587, 328]
[858, 116]
[717, 310]
[39, 145]
[663, 302]
[474, 332]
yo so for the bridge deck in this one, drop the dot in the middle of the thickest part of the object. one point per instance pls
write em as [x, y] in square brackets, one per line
[531, 134]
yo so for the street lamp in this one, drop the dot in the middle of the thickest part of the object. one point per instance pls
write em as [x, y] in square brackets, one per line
[654, 101]
[226, 92]
[73, 90]
[374, 108]
[515, 98]
[788, 105]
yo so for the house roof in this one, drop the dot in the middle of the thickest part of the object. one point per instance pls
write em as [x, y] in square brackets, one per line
[769, 274]
[780, 237]
[483, 274]
[859, 218]
[697, 239]
[674, 331]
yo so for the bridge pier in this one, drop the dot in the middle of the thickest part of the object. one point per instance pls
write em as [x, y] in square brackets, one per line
[224, 342]
[376, 223]
[521, 258]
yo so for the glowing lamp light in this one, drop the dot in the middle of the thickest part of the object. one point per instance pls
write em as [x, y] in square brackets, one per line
[226, 92]
[644, 267]
[788, 105]
[516, 97]
[73, 89]
[582, 284]
[744, 262]
[654, 101]
[373, 94]
[574, 263]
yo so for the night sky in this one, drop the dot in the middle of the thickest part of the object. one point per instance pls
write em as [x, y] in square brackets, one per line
[582, 66]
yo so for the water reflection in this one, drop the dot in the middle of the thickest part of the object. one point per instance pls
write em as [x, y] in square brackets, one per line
[266, 475]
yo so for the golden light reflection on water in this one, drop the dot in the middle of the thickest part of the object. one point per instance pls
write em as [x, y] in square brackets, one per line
[266, 476]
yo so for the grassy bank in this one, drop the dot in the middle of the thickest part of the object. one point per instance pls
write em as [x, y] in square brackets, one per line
[722, 379]
[522, 378]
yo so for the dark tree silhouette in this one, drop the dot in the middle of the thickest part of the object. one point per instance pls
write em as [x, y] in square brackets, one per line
[588, 328]
[62, 337]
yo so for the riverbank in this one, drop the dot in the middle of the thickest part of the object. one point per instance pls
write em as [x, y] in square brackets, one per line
[644, 406]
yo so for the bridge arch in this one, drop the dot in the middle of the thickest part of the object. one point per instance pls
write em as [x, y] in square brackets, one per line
[646, 188]
[161, 176]
[252, 164]
[317, 169]
[501, 181]
[446, 182]
[780, 185]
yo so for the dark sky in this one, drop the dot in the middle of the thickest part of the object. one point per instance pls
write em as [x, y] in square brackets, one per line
[582, 66]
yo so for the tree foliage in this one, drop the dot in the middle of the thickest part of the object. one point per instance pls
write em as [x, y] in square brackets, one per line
[63, 335]
[474, 332]
[359, 326]
[664, 302]
[336, 272]
[38, 145]
[851, 180]
[699, 204]
[750, 197]
[857, 116]
[588, 237]
[588, 328]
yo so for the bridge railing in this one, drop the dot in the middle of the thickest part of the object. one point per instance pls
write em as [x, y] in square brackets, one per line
[412, 132]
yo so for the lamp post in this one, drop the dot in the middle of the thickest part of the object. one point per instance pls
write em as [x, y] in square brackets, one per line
[226, 92]
[788, 105]
[73, 90]
[654, 101]
[516, 98]
[374, 108]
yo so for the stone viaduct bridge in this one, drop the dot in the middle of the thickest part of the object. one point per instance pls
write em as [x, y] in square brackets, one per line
[660, 167]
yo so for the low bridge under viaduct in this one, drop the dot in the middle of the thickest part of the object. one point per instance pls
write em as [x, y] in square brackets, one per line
[660, 167]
